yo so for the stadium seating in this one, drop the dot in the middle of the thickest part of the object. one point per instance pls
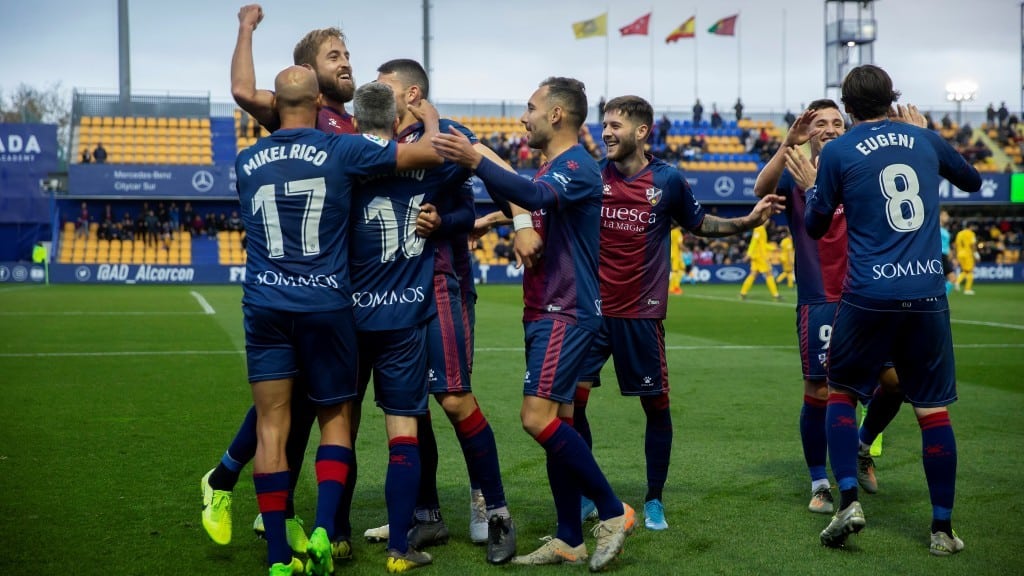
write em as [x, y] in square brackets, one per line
[229, 248]
[90, 249]
[149, 140]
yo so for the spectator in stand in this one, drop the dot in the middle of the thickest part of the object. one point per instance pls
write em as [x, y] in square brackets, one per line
[235, 222]
[664, 125]
[600, 109]
[197, 224]
[738, 107]
[175, 217]
[698, 113]
[947, 122]
[127, 226]
[86, 155]
[187, 216]
[716, 118]
[82, 230]
[503, 251]
[1003, 114]
[789, 118]
[222, 222]
[100, 153]
[103, 232]
[990, 116]
[929, 121]
[140, 226]
[152, 228]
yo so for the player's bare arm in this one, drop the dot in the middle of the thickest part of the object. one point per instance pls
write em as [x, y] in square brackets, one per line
[799, 133]
[420, 154]
[715, 227]
[259, 103]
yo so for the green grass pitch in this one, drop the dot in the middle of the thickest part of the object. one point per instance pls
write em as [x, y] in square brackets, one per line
[116, 400]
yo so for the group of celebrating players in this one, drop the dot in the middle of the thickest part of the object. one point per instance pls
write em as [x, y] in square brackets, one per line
[358, 268]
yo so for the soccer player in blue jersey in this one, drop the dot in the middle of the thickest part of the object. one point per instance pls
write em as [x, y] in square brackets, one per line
[392, 294]
[447, 216]
[562, 310]
[820, 267]
[295, 194]
[641, 198]
[886, 175]
[325, 52]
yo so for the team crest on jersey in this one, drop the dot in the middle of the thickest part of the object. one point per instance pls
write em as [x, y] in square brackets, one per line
[376, 140]
[572, 165]
[654, 196]
[607, 190]
[333, 123]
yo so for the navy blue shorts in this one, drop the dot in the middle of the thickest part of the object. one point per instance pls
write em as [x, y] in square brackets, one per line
[813, 330]
[320, 344]
[637, 346]
[555, 352]
[914, 335]
[397, 359]
[448, 359]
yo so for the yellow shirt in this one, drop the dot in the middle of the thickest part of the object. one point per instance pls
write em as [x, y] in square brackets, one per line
[758, 249]
[966, 243]
[786, 246]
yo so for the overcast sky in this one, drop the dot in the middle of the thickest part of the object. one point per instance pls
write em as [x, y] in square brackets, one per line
[490, 50]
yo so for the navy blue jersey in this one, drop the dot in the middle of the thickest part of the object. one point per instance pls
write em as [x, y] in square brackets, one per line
[886, 176]
[393, 267]
[565, 203]
[453, 200]
[295, 190]
[636, 214]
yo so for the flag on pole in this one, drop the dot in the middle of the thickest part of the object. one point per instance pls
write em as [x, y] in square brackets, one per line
[685, 30]
[725, 27]
[597, 26]
[639, 27]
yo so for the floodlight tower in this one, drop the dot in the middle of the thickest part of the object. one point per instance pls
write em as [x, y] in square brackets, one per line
[850, 32]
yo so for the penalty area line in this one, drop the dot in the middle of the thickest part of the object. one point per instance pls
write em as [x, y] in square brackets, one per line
[207, 309]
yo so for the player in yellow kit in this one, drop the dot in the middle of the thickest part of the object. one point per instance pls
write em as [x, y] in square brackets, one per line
[757, 255]
[786, 259]
[966, 254]
[675, 276]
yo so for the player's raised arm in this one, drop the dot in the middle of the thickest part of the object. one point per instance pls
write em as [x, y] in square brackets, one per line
[799, 133]
[259, 103]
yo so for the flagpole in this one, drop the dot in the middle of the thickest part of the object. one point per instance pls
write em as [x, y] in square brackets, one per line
[696, 72]
[739, 61]
[783, 58]
[650, 33]
[607, 12]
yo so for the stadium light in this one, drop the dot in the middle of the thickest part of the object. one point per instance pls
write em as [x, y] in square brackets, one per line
[961, 91]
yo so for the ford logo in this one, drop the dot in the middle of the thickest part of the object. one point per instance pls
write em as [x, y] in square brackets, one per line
[730, 274]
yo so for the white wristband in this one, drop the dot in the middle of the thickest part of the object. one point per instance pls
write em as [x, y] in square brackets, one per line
[520, 221]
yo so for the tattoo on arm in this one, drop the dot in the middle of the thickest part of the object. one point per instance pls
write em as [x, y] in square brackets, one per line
[715, 227]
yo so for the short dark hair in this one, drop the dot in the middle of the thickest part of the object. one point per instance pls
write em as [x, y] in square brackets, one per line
[822, 104]
[634, 107]
[867, 92]
[571, 94]
[410, 72]
[374, 108]
[306, 50]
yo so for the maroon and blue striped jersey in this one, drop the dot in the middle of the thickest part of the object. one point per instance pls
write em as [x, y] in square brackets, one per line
[819, 265]
[334, 122]
[565, 203]
[636, 214]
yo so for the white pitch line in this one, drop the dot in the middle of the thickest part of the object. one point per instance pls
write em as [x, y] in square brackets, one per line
[202, 302]
[793, 305]
[110, 313]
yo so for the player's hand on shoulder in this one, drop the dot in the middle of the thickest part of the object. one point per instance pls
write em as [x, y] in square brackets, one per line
[455, 146]
[250, 15]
